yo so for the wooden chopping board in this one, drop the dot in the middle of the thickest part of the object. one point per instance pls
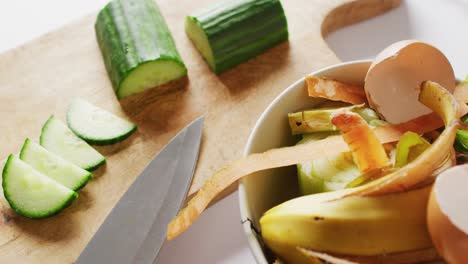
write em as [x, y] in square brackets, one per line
[41, 77]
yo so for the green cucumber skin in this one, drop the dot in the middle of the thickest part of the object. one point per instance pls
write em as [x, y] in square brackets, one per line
[131, 33]
[41, 142]
[238, 30]
[13, 206]
[75, 188]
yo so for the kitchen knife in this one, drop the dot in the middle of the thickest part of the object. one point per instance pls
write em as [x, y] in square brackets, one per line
[136, 228]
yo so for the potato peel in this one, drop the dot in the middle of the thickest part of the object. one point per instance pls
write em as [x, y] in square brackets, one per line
[416, 256]
[368, 153]
[334, 90]
[444, 104]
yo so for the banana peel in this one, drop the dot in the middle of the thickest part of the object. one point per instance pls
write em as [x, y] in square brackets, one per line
[352, 226]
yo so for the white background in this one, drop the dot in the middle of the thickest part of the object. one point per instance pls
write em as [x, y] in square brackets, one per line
[217, 236]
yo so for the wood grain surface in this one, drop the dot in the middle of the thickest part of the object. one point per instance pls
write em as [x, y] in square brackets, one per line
[41, 77]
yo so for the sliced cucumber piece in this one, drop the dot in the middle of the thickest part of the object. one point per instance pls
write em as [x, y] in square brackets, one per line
[31, 193]
[53, 166]
[96, 125]
[59, 139]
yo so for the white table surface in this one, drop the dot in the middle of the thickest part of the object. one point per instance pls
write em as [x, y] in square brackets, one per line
[217, 237]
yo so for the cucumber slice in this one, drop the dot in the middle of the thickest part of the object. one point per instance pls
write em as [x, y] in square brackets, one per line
[31, 193]
[233, 31]
[53, 166]
[59, 139]
[95, 125]
[136, 44]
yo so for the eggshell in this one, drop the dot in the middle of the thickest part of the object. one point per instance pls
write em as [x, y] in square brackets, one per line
[447, 216]
[393, 81]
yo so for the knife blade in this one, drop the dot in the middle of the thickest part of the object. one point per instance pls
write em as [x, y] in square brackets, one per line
[135, 229]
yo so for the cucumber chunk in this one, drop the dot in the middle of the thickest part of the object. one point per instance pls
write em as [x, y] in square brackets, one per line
[137, 47]
[95, 125]
[53, 166]
[233, 31]
[31, 193]
[59, 139]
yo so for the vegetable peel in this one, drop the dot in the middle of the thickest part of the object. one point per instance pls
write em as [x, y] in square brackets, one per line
[461, 143]
[316, 120]
[410, 146]
[334, 90]
[368, 152]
